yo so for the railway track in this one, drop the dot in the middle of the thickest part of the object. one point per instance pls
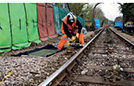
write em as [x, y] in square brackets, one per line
[107, 59]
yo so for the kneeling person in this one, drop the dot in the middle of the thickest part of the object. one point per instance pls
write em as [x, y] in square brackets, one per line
[70, 27]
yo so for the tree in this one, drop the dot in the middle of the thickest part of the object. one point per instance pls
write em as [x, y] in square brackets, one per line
[128, 11]
[76, 8]
[87, 12]
[99, 15]
[119, 18]
[59, 4]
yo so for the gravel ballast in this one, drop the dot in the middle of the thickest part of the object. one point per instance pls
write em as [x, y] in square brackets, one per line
[32, 70]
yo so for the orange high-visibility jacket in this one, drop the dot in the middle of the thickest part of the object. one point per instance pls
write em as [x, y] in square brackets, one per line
[70, 28]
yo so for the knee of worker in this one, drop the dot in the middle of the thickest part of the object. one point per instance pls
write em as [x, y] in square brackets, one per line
[63, 39]
[81, 33]
[81, 38]
[62, 42]
[64, 36]
[75, 31]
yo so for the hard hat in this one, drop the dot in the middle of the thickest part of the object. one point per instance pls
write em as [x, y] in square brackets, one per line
[71, 17]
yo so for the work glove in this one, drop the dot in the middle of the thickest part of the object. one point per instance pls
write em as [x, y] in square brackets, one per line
[73, 38]
[77, 35]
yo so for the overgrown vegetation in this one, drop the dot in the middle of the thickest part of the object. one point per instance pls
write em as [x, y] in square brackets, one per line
[119, 18]
[128, 11]
[85, 10]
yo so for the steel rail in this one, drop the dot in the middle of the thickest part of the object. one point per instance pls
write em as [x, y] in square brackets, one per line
[128, 41]
[66, 65]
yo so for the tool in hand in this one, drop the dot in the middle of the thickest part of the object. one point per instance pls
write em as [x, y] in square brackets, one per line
[74, 42]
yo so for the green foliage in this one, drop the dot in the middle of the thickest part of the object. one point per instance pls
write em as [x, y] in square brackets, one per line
[85, 10]
[128, 11]
[88, 14]
[119, 18]
[99, 15]
[76, 8]
[59, 4]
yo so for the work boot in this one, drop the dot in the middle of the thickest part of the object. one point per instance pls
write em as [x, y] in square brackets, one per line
[58, 50]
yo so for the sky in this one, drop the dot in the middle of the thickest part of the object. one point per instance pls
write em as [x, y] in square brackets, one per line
[110, 10]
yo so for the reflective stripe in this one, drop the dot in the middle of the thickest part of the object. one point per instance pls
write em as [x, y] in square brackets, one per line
[69, 26]
[64, 38]
[75, 31]
[65, 20]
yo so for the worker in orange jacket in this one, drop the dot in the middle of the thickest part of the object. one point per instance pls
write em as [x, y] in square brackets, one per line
[71, 28]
